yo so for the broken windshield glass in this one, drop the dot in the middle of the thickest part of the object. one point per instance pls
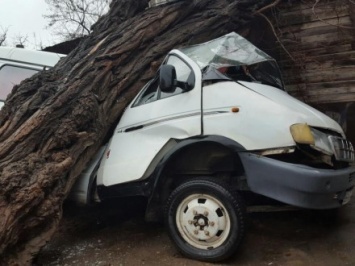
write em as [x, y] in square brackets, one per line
[232, 57]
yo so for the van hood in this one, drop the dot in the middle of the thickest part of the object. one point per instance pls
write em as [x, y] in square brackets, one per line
[306, 113]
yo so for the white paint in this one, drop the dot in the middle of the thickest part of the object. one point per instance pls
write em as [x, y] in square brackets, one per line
[27, 56]
[132, 152]
[263, 122]
[265, 115]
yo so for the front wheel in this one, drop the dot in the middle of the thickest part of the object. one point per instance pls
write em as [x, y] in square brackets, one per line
[205, 219]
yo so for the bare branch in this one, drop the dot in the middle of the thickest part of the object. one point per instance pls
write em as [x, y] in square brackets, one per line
[20, 40]
[277, 37]
[74, 18]
[3, 35]
[261, 10]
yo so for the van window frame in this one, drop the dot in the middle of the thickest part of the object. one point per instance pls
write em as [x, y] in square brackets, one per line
[21, 67]
[156, 79]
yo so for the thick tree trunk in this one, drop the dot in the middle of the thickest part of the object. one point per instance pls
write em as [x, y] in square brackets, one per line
[53, 123]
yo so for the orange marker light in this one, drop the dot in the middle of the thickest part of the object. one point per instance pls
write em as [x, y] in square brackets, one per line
[235, 110]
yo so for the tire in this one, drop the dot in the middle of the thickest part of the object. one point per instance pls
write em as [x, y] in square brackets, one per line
[205, 219]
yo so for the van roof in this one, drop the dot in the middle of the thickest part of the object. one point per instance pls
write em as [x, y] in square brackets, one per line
[28, 56]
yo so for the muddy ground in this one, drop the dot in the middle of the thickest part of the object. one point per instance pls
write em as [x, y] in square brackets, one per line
[115, 233]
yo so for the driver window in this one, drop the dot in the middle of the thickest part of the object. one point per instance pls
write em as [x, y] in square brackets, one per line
[183, 73]
[149, 93]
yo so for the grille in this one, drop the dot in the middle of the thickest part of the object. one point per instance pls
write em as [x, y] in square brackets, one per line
[343, 149]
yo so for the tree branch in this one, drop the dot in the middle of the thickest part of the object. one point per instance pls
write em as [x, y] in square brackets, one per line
[261, 10]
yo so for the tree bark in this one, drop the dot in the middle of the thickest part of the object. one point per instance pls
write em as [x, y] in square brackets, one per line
[54, 122]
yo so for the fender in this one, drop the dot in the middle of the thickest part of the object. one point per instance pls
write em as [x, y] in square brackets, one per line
[157, 177]
[148, 186]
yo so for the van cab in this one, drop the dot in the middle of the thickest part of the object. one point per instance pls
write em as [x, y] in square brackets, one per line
[17, 64]
[214, 123]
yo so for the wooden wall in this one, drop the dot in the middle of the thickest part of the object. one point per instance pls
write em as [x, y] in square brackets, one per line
[321, 39]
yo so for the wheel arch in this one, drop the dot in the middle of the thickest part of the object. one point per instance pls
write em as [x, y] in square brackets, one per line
[215, 156]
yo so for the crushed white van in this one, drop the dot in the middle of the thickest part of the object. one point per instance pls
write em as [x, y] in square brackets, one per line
[17, 64]
[215, 122]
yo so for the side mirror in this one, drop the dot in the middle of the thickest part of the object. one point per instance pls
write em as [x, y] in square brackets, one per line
[167, 82]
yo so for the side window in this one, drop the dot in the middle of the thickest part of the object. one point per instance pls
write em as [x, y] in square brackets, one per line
[11, 76]
[149, 93]
[183, 73]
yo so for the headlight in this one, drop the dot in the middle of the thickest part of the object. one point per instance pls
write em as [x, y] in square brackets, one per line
[322, 142]
[325, 143]
[303, 134]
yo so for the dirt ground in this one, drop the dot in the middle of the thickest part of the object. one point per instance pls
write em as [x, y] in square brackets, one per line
[115, 233]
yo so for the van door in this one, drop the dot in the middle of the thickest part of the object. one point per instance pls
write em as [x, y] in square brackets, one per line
[150, 121]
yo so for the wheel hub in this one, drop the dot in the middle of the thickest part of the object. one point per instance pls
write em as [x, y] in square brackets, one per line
[199, 226]
[201, 222]
[204, 221]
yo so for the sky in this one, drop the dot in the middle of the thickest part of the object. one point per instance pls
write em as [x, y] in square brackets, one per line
[25, 18]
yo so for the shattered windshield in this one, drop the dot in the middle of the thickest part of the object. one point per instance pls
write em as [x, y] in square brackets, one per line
[232, 57]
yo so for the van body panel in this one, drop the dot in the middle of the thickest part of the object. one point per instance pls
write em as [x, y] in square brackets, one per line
[145, 129]
[225, 90]
[260, 107]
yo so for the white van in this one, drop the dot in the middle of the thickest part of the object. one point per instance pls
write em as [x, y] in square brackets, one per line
[215, 123]
[17, 64]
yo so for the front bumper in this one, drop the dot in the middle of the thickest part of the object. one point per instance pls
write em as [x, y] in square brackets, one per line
[298, 185]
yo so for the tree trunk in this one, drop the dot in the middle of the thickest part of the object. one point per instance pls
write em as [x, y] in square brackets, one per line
[54, 122]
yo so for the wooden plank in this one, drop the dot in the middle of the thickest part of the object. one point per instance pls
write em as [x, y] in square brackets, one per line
[331, 64]
[352, 17]
[317, 93]
[335, 74]
[318, 66]
[320, 50]
[323, 40]
[302, 5]
[330, 92]
[323, 88]
[330, 37]
[320, 62]
[326, 35]
[297, 18]
[336, 98]
[318, 27]
[323, 46]
[322, 11]
[313, 21]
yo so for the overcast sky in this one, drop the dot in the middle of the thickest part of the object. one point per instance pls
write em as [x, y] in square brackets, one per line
[25, 18]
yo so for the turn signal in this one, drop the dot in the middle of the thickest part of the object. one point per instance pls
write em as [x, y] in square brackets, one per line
[302, 134]
[235, 110]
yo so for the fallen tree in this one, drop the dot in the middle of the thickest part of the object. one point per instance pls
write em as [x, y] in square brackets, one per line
[54, 122]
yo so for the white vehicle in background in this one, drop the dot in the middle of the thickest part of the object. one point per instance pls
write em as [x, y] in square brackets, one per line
[17, 64]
